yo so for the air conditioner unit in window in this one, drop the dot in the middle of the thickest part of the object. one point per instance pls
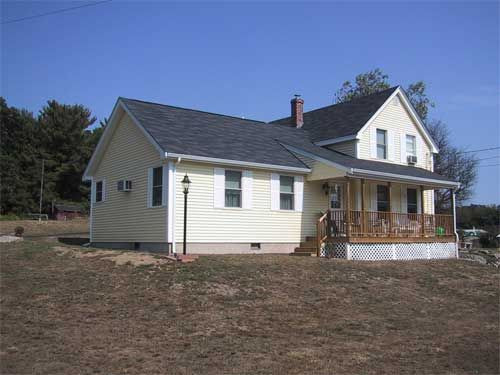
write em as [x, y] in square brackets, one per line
[124, 185]
[411, 159]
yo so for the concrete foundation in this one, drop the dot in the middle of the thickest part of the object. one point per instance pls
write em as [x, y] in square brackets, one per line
[202, 248]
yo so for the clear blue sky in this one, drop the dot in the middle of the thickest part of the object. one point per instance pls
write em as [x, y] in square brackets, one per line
[249, 59]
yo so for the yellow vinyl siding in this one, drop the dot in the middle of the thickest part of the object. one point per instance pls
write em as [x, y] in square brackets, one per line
[348, 148]
[124, 216]
[259, 224]
[398, 120]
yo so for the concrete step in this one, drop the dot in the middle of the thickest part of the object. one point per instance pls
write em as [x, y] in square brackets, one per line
[308, 244]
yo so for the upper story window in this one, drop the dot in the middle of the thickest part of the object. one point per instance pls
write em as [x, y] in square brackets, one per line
[411, 145]
[381, 144]
[286, 193]
[157, 187]
[232, 188]
[411, 201]
[99, 191]
[382, 198]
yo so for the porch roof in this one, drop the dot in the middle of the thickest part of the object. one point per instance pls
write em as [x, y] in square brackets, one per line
[370, 169]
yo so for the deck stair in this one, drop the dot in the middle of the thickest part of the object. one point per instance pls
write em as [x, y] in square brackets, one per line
[307, 248]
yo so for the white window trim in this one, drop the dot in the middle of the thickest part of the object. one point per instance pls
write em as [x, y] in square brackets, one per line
[219, 185]
[292, 193]
[240, 189]
[415, 144]
[298, 192]
[164, 192]
[94, 198]
[385, 145]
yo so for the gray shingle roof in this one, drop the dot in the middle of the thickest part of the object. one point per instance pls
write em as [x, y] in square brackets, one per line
[343, 119]
[191, 132]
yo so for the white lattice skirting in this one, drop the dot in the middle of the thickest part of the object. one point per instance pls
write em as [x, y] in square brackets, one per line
[390, 251]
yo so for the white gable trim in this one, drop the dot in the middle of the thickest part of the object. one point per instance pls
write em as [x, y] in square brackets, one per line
[413, 114]
[108, 134]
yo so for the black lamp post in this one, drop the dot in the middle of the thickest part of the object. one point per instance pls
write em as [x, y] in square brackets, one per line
[185, 184]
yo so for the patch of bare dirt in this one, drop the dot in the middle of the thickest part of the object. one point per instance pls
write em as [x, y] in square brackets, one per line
[120, 258]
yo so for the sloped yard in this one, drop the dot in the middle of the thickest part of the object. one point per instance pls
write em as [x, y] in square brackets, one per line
[64, 311]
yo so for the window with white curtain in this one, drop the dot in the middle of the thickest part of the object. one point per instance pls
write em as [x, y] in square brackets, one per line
[411, 145]
[381, 144]
[286, 193]
[232, 188]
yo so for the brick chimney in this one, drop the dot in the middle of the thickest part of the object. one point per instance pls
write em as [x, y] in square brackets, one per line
[297, 111]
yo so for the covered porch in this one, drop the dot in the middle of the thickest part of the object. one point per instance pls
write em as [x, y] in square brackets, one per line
[382, 211]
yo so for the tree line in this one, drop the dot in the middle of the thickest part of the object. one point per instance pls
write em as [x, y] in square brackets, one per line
[60, 135]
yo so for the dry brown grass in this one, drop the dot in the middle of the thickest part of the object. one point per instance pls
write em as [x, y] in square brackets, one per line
[34, 228]
[265, 314]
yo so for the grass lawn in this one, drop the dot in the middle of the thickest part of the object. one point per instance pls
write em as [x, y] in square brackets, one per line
[34, 228]
[63, 312]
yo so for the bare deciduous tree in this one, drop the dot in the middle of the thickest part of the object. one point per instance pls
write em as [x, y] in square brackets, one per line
[453, 163]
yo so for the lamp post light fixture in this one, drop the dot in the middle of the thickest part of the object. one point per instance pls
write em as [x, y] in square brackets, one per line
[185, 184]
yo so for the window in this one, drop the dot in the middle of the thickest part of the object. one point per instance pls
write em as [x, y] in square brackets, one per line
[98, 191]
[233, 189]
[411, 145]
[411, 201]
[157, 187]
[382, 198]
[336, 197]
[381, 144]
[286, 193]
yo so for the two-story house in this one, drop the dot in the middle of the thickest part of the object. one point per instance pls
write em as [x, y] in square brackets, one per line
[352, 180]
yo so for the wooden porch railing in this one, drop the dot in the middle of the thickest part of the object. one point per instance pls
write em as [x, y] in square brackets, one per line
[381, 224]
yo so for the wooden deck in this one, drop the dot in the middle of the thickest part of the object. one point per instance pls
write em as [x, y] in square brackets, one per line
[383, 227]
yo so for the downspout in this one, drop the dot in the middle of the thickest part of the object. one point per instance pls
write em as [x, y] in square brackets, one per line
[91, 208]
[173, 189]
[453, 200]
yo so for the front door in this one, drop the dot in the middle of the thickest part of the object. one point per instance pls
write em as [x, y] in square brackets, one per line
[336, 197]
[336, 204]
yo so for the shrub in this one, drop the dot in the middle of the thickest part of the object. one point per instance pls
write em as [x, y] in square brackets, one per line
[19, 231]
